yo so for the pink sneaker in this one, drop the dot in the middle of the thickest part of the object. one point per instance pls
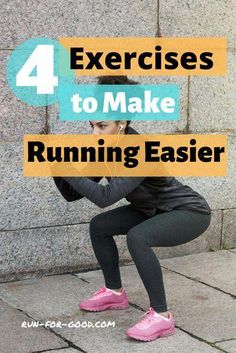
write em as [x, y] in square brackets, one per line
[105, 298]
[151, 326]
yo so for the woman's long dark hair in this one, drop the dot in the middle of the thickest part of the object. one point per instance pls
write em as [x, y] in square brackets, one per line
[117, 80]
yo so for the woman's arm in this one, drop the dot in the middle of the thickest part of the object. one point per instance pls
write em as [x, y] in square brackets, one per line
[104, 195]
[67, 191]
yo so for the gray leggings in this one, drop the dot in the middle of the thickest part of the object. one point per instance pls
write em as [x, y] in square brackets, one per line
[163, 229]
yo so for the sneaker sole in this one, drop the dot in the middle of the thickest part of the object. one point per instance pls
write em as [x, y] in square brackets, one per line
[115, 306]
[163, 333]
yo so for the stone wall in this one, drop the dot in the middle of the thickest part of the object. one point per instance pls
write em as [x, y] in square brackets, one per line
[39, 231]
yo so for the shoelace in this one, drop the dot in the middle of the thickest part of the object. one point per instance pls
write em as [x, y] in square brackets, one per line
[146, 317]
[98, 293]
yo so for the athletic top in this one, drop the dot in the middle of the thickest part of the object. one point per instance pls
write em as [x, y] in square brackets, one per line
[147, 194]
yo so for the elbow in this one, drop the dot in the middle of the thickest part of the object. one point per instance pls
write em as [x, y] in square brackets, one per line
[68, 199]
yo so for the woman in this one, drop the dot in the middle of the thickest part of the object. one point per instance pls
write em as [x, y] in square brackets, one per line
[162, 212]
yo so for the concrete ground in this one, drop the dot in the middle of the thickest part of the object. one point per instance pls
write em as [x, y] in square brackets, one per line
[200, 290]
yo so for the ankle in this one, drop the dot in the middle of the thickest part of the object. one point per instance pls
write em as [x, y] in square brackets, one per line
[115, 289]
[164, 313]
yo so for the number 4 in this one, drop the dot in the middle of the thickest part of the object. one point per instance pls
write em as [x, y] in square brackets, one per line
[43, 59]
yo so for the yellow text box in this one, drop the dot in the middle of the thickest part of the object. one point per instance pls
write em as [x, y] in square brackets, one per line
[125, 155]
[187, 51]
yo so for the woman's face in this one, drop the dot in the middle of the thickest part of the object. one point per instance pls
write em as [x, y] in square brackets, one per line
[105, 127]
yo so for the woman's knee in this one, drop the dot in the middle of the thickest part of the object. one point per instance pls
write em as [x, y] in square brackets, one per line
[97, 224]
[135, 239]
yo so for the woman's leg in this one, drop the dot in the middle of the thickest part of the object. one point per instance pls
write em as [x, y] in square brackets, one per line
[102, 228]
[164, 229]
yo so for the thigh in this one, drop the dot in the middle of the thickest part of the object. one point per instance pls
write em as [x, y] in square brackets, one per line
[172, 228]
[118, 220]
